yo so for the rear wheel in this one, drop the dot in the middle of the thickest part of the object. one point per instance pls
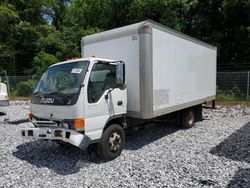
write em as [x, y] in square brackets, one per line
[112, 142]
[188, 118]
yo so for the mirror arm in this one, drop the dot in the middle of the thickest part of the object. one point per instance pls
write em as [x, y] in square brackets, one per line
[107, 94]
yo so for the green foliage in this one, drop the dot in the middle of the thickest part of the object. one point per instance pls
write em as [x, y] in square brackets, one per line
[225, 96]
[89, 14]
[230, 95]
[52, 43]
[25, 37]
[56, 11]
[29, 29]
[42, 61]
[169, 12]
[25, 88]
[119, 13]
[8, 15]
[8, 18]
[29, 10]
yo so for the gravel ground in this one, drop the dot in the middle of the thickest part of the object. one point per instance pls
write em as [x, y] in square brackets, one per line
[214, 153]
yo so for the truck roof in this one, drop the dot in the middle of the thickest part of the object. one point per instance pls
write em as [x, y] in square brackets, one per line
[83, 59]
[135, 29]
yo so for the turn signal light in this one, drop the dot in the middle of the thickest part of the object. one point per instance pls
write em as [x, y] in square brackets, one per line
[79, 124]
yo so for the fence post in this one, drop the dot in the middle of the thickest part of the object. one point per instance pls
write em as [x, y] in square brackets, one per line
[8, 84]
[247, 84]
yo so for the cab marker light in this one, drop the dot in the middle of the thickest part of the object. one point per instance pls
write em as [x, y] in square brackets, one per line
[145, 27]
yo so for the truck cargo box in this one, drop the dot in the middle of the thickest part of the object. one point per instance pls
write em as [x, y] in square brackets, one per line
[166, 70]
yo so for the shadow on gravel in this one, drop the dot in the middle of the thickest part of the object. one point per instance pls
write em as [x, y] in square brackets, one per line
[69, 160]
[236, 146]
[148, 134]
[61, 159]
[2, 114]
[241, 179]
[19, 121]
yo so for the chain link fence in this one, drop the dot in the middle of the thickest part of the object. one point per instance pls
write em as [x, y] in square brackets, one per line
[20, 86]
[231, 86]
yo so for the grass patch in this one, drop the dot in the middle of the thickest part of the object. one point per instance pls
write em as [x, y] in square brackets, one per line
[230, 95]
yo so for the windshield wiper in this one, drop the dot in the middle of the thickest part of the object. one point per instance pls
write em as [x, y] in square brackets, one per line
[58, 93]
[38, 93]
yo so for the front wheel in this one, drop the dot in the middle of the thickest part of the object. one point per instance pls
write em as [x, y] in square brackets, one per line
[112, 142]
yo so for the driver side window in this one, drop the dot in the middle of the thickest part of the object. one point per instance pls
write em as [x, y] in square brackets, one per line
[102, 77]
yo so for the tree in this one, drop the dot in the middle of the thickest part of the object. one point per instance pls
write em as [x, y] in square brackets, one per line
[88, 14]
[235, 50]
[224, 24]
[119, 13]
[56, 12]
[18, 33]
[29, 10]
[31, 28]
[168, 12]
[8, 18]
[24, 41]
[41, 62]
[51, 42]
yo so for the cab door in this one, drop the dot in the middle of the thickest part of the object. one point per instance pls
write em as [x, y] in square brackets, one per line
[104, 98]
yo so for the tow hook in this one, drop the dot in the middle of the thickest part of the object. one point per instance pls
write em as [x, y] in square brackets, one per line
[49, 131]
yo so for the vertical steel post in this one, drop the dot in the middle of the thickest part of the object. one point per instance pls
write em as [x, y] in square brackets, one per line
[247, 84]
[8, 84]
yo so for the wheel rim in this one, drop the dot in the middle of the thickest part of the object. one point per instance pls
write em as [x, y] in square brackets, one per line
[190, 118]
[114, 142]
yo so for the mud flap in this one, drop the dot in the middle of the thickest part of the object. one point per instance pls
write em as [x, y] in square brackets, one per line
[86, 141]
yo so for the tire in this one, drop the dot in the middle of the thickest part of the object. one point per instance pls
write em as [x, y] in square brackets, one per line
[188, 118]
[111, 143]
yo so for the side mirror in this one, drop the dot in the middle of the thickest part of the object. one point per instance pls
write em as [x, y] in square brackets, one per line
[120, 74]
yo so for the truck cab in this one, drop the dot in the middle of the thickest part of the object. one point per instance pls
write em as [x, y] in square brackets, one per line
[79, 100]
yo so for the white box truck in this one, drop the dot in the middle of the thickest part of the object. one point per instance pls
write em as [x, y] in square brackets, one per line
[143, 71]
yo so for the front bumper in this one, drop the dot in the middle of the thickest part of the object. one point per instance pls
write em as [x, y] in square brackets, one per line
[51, 133]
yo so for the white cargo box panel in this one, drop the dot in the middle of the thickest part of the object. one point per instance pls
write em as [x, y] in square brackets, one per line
[165, 70]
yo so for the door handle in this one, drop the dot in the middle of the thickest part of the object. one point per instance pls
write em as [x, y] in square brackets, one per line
[119, 103]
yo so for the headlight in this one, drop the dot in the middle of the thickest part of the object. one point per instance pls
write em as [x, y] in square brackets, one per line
[65, 125]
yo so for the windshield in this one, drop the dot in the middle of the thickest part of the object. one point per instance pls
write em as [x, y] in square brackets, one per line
[64, 78]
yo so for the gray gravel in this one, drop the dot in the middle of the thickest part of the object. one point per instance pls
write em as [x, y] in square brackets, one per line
[215, 153]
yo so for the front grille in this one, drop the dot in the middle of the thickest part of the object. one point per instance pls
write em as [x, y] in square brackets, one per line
[45, 123]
